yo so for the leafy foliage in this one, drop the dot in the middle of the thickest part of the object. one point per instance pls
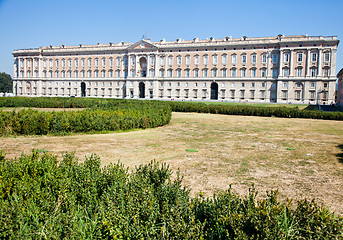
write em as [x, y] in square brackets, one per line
[101, 116]
[44, 198]
[282, 112]
[6, 84]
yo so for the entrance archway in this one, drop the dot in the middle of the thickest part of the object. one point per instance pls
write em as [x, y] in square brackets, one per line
[214, 91]
[83, 89]
[141, 90]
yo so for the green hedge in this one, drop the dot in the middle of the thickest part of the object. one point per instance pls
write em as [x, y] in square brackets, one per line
[283, 112]
[44, 198]
[101, 116]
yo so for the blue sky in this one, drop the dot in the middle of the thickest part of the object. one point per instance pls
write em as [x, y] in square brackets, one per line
[35, 23]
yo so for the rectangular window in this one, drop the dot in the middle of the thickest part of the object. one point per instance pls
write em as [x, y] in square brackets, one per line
[253, 58]
[253, 72]
[178, 73]
[50, 63]
[263, 72]
[326, 72]
[233, 85]
[264, 58]
[118, 62]
[162, 72]
[214, 72]
[284, 84]
[299, 72]
[170, 60]
[152, 60]
[76, 62]
[170, 73]
[205, 59]
[313, 84]
[186, 73]
[103, 61]
[215, 59]
[179, 60]
[223, 72]
[111, 61]
[76, 74]
[299, 57]
[274, 58]
[163, 61]
[188, 60]
[314, 57]
[204, 73]
[243, 73]
[233, 73]
[286, 72]
[234, 59]
[326, 57]
[286, 57]
[89, 62]
[196, 60]
[196, 73]
[69, 62]
[244, 59]
[314, 72]
[263, 84]
[224, 59]
[82, 62]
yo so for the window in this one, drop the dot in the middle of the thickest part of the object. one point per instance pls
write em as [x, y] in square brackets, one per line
[243, 72]
[56, 73]
[252, 85]
[83, 74]
[313, 84]
[204, 72]
[170, 73]
[286, 72]
[196, 73]
[263, 84]
[244, 59]
[69, 62]
[187, 73]
[284, 84]
[103, 74]
[63, 74]
[76, 62]
[152, 60]
[314, 57]
[152, 73]
[170, 60]
[313, 72]
[118, 74]
[205, 59]
[57, 62]
[275, 73]
[179, 60]
[89, 62]
[111, 62]
[233, 72]
[76, 74]
[215, 59]
[253, 72]
[50, 63]
[263, 72]
[299, 57]
[234, 59]
[299, 72]
[233, 85]
[50, 74]
[63, 62]
[97, 62]
[89, 74]
[224, 59]
[188, 59]
[163, 61]
[110, 74]
[253, 58]
[286, 57]
[325, 85]
[118, 62]
[223, 72]
[82, 62]
[103, 61]
[69, 74]
[196, 60]
[214, 72]
[162, 73]
[264, 58]
[274, 58]
[326, 57]
[326, 72]
[22, 62]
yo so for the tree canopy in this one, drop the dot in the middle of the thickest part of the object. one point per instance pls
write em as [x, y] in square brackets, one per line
[6, 84]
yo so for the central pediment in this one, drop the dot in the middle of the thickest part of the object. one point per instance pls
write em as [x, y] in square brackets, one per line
[142, 45]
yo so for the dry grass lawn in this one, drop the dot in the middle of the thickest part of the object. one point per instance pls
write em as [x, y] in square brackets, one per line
[302, 158]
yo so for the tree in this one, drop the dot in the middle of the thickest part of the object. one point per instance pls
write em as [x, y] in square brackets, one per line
[6, 84]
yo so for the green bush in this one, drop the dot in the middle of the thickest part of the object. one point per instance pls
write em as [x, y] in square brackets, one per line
[44, 198]
[283, 112]
[98, 116]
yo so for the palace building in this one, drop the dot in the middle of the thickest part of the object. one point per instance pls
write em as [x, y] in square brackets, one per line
[282, 69]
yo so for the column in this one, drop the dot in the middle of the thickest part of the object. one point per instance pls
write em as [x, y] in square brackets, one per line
[148, 65]
[333, 63]
[280, 63]
[319, 65]
[308, 63]
[290, 63]
[269, 64]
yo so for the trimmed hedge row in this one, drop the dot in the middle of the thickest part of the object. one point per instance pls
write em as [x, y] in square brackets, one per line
[44, 198]
[283, 112]
[122, 117]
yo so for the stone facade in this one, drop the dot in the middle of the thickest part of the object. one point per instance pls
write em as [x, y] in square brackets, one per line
[282, 69]
[340, 88]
